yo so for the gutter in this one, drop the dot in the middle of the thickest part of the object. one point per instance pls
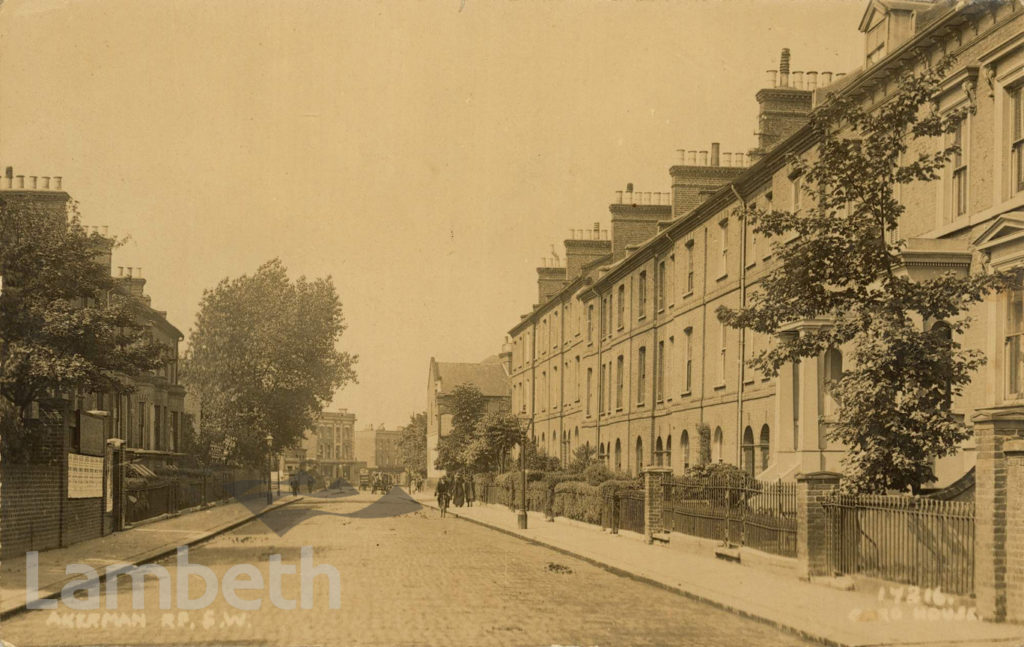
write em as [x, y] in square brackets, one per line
[743, 331]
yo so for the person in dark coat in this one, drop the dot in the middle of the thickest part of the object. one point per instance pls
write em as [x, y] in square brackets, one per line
[459, 491]
[470, 491]
[441, 491]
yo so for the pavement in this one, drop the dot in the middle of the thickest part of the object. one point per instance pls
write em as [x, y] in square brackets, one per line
[145, 542]
[870, 615]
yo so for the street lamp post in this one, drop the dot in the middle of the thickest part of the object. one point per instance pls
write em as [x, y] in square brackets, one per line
[521, 516]
[270, 457]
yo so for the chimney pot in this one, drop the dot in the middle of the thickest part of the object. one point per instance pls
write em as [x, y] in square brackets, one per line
[726, 159]
[129, 269]
[597, 227]
[618, 197]
[46, 182]
[840, 75]
[682, 156]
[56, 182]
[691, 158]
[703, 158]
[9, 172]
[32, 179]
[629, 187]
[120, 270]
[21, 181]
[826, 79]
[811, 80]
[784, 61]
[771, 78]
[798, 80]
[715, 148]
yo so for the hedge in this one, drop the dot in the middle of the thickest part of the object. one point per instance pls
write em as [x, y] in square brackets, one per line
[578, 500]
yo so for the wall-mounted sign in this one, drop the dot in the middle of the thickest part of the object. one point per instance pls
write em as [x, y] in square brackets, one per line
[92, 434]
[85, 476]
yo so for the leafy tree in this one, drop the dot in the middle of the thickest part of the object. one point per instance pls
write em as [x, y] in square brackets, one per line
[65, 324]
[501, 434]
[839, 259]
[412, 446]
[263, 360]
[582, 457]
[461, 448]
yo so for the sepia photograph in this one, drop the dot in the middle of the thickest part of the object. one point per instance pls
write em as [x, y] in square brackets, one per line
[527, 323]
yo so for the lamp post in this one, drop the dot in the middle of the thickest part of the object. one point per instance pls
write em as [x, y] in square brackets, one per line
[270, 457]
[521, 515]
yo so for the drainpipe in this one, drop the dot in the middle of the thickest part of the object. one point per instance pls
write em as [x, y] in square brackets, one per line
[743, 332]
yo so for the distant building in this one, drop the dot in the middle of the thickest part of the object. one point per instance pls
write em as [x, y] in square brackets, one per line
[386, 454]
[490, 376]
[328, 448]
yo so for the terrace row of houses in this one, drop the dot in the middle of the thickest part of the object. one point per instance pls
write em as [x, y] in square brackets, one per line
[623, 350]
[150, 415]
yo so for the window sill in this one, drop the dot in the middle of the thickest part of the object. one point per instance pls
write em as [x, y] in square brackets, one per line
[719, 387]
[746, 382]
[685, 394]
[640, 405]
[640, 318]
[722, 277]
[751, 264]
[618, 410]
[688, 294]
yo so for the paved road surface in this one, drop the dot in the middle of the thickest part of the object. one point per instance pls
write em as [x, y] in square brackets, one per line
[407, 577]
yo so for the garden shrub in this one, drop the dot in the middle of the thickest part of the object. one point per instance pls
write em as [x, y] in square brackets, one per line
[578, 500]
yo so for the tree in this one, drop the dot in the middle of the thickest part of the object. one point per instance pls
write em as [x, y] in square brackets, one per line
[412, 446]
[467, 407]
[839, 259]
[582, 457]
[65, 324]
[263, 360]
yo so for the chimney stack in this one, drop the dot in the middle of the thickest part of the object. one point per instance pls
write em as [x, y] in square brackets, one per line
[784, 108]
[715, 148]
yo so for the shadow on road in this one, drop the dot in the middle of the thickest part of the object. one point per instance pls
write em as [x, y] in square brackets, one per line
[393, 504]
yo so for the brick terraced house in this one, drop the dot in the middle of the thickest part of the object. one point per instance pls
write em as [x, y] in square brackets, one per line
[623, 350]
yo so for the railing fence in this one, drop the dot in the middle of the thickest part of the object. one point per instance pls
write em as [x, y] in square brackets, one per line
[742, 512]
[925, 542]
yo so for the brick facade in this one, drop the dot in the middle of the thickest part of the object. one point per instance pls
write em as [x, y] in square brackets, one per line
[655, 479]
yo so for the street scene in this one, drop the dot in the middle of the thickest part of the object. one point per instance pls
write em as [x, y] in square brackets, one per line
[505, 323]
[413, 579]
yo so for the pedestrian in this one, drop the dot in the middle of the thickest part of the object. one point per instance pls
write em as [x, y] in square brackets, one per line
[470, 491]
[441, 492]
[459, 491]
[294, 482]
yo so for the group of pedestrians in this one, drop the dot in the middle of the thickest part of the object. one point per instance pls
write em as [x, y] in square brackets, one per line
[458, 489]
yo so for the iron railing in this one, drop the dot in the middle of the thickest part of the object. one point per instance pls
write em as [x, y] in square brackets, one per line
[175, 494]
[624, 510]
[737, 511]
[925, 542]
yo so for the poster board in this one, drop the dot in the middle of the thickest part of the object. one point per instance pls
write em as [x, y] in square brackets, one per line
[85, 476]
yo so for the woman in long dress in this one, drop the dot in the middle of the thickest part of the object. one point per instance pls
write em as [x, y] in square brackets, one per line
[459, 495]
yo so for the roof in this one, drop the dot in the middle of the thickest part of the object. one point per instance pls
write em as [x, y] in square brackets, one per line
[489, 378]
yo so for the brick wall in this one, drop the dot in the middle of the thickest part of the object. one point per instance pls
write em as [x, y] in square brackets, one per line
[35, 513]
[30, 511]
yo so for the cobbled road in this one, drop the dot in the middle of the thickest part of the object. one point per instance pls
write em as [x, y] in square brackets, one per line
[407, 577]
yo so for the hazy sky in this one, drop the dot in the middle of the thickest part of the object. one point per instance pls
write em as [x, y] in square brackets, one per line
[425, 155]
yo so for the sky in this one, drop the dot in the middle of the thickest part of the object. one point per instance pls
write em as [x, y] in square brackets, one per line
[424, 154]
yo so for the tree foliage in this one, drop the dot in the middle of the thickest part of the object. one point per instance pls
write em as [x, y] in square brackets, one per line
[412, 446]
[263, 360]
[65, 324]
[479, 440]
[839, 259]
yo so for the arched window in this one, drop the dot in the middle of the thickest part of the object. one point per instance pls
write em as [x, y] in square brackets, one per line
[639, 454]
[618, 455]
[716, 446]
[764, 443]
[659, 452]
[945, 334]
[747, 453]
[668, 451]
[684, 444]
[833, 373]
